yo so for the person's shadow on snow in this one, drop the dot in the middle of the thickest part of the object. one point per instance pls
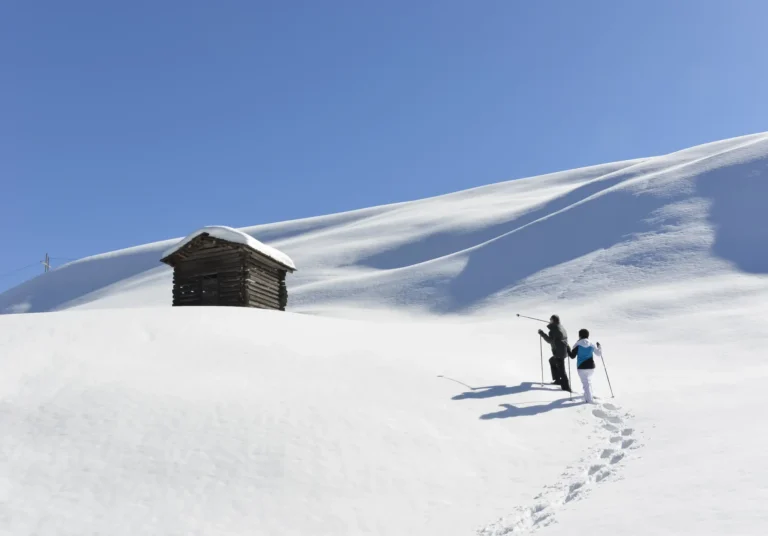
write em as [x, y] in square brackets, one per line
[515, 411]
[501, 390]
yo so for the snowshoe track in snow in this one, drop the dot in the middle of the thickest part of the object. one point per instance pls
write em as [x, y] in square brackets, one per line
[601, 414]
[617, 439]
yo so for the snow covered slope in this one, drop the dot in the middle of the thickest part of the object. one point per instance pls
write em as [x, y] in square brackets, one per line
[408, 401]
[688, 214]
[248, 422]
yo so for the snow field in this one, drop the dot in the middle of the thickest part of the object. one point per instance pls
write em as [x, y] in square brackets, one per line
[207, 421]
[401, 395]
[613, 437]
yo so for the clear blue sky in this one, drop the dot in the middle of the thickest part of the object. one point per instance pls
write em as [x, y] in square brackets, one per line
[123, 123]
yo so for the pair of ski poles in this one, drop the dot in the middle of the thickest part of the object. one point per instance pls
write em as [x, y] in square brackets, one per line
[541, 352]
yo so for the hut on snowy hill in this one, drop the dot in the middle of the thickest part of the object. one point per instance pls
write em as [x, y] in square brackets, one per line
[224, 266]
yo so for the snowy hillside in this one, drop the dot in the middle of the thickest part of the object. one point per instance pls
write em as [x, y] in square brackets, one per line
[407, 399]
[694, 213]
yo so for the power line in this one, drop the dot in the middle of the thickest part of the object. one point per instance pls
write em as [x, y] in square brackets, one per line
[46, 265]
[20, 269]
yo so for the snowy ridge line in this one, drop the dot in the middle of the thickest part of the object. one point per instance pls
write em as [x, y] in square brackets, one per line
[464, 251]
[617, 439]
[754, 140]
[313, 227]
[670, 217]
[633, 180]
[371, 213]
[382, 213]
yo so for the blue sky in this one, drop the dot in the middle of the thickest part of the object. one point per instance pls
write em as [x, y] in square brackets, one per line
[123, 123]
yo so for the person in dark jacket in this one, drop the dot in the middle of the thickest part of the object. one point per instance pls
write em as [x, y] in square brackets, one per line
[585, 350]
[558, 341]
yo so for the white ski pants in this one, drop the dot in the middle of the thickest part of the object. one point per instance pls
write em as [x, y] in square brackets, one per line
[586, 381]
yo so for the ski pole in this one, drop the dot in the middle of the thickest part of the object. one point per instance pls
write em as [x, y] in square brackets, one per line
[606, 371]
[532, 318]
[570, 384]
[541, 344]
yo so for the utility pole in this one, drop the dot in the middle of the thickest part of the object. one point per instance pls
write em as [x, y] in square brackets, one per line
[47, 263]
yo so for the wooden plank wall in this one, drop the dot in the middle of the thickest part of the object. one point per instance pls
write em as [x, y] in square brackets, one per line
[245, 277]
[209, 258]
[262, 283]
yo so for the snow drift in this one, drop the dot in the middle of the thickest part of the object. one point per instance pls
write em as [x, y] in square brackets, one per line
[418, 408]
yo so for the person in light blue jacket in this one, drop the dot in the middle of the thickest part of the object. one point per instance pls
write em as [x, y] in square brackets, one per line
[584, 351]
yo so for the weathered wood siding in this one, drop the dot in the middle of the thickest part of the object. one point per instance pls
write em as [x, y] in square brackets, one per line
[262, 282]
[211, 272]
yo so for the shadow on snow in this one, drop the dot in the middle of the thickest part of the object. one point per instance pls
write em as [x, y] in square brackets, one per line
[739, 212]
[501, 390]
[441, 243]
[510, 411]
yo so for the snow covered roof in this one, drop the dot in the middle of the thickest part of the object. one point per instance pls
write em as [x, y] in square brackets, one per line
[238, 237]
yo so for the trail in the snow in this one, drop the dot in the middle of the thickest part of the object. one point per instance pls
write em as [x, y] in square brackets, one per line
[616, 439]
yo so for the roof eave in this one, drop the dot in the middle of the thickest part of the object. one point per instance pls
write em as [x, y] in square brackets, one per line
[168, 259]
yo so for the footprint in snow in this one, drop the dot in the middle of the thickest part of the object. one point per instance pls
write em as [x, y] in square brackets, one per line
[595, 469]
[571, 486]
[598, 472]
[602, 475]
[543, 520]
[603, 415]
[574, 491]
[538, 508]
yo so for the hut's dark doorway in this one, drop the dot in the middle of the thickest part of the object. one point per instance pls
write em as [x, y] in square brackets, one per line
[209, 286]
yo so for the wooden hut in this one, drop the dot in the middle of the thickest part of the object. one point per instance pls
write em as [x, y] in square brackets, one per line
[223, 266]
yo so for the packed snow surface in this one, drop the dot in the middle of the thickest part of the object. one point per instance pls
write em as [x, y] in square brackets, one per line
[401, 394]
[237, 237]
